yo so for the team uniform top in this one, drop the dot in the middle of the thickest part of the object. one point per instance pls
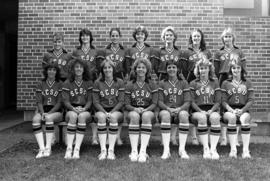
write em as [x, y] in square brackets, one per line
[48, 94]
[78, 94]
[237, 94]
[165, 55]
[223, 57]
[90, 57]
[62, 59]
[174, 95]
[117, 56]
[205, 93]
[108, 95]
[190, 57]
[141, 96]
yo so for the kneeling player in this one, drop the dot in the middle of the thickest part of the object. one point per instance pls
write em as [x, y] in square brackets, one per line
[108, 99]
[206, 96]
[174, 100]
[237, 98]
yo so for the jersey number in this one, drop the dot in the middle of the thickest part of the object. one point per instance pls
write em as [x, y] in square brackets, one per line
[49, 101]
[205, 99]
[237, 99]
[140, 102]
[172, 98]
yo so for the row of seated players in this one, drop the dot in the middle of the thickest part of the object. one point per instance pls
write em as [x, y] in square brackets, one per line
[140, 98]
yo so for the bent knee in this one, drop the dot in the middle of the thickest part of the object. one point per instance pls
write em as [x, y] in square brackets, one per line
[183, 117]
[214, 118]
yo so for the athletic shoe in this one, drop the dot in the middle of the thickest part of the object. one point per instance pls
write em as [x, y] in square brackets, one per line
[195, 141]
[142, 157]
[223, 142]
[40, 154]
[76, 154]
[68, 154]
[206, 153]
[183, 154]
[94, 141]
[47, 152]
[102, 155]
[246, 154]
[233, 154]
[165, 156]
[214, 155]
[111, 155]
[133, 156]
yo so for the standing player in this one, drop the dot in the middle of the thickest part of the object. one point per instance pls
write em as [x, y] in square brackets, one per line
[87, 52]
[58, 55]
[77, 97]
[48, 97]
[108, 99]
[196, 50]
[166, 53]
[238, 97]
[206, 97]
[174, 100]
[141, 98]
[140, 50]
[222, 59]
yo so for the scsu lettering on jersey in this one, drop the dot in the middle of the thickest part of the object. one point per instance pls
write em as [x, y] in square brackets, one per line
[81, 91]
[228, 56]
[173, 91]
[108, 92]
[87, 58]
[140, 55]
[169, 57]
[140, 93]
[238, 90]
[49, 92]
[206, 90]
[114, 57]
[60, 61]
[196, 56]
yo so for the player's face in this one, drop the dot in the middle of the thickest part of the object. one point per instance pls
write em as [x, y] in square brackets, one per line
[172, 70]
[115, 37]
[169, 37]
[51, 73]
[196, 37]
[228, 39]
[141, 69]
[85, 39]
[78, 69]
[236, 70]
[140, 36]
[204, 70]
[108, 70]
[57, 44]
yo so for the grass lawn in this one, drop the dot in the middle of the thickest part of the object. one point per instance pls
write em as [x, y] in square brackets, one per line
[19, 163]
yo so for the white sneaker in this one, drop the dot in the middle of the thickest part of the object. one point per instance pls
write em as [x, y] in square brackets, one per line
[102, 155]
[206, 153]
[166, 155]
[68, 154]
[195, 141]
[40, 154]
[133, 156]
[76, 154]
[111, 155]
[233, 154]
[94, 141]
[246, 154]
[142, 157]
[183, 154]
[214, 155]
[223, 142]
[47, 152]
[237, 143]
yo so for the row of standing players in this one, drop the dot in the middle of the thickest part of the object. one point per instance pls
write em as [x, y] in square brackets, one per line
[142, 96]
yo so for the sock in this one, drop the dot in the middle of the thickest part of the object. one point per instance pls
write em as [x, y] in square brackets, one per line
[145, 136]
[102, 135]
[165, 134]
[113, 129]
[183, 133]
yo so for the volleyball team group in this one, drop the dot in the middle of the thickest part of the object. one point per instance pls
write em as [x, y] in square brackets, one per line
[143, 85]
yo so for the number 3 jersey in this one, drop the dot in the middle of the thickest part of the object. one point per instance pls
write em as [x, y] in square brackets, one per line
[205, 93]
[174, 94]
[48, 94]
[108, 95]
[141, 95]
[77, 93]
[237, 93]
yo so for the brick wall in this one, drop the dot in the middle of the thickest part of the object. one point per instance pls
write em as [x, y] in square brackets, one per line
[39, 18]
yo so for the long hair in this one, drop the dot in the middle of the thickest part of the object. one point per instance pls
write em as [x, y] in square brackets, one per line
[147, 64]
[203, 61]
[102, 65]
[140, 29]
[85, 31]
[230, 31]
[86, 74]
[47, 67]
[178, 74]
[237, 61]
[171, 29]
[120, 35]
[202, 43]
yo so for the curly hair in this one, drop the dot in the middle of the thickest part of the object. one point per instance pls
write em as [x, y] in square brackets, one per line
[148, 66]
[202, 43]
[47, 67]
[203, 61]
[102, 65]
[171, 29]
[85, 31]
[140, 29]
[86, 75]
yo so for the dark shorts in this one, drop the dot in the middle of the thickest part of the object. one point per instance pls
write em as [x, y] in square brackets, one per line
[47, 108]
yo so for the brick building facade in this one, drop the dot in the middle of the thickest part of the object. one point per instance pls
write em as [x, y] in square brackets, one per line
[38, 19]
